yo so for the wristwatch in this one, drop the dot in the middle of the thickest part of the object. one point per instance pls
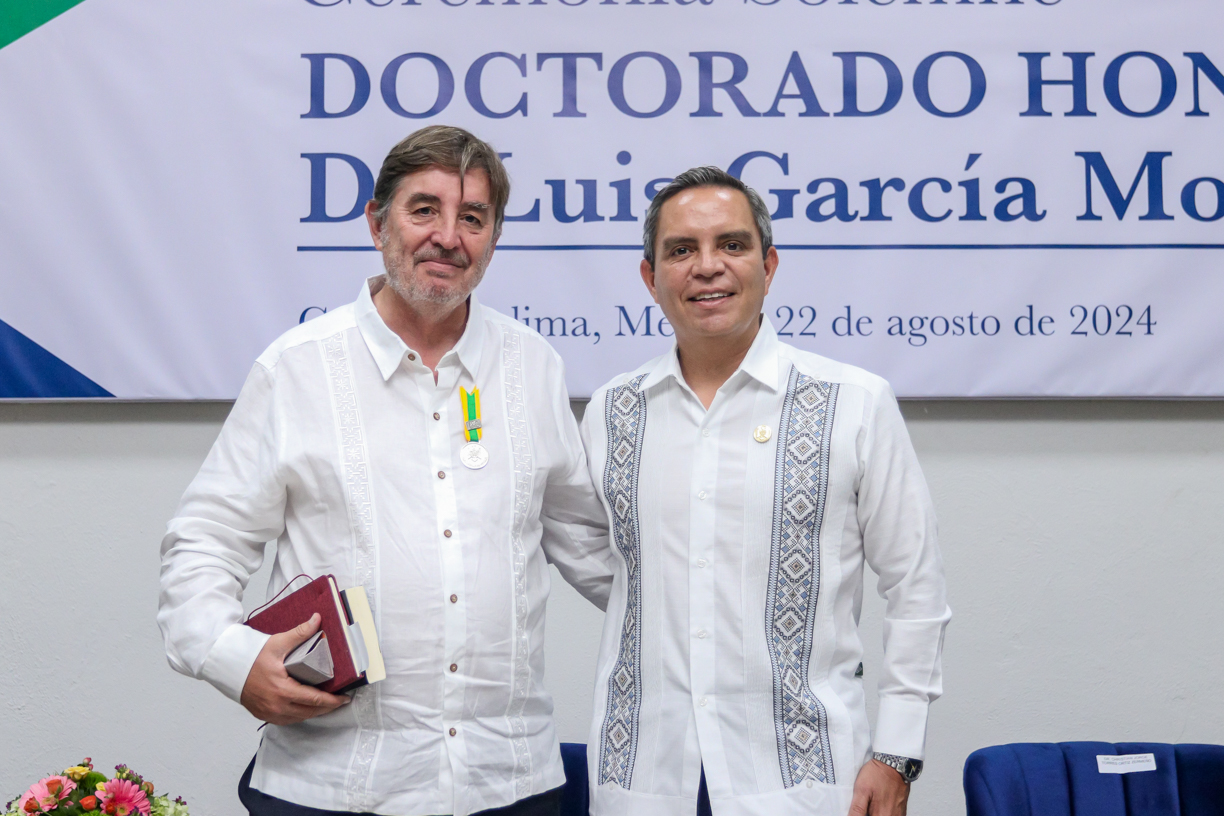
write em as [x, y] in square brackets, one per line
[910, 769]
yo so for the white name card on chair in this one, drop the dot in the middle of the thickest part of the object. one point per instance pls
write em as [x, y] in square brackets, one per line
[1125, 763]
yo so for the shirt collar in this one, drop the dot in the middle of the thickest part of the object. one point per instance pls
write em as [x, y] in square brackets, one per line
[666, 366]
[388, 349]
[760, 363]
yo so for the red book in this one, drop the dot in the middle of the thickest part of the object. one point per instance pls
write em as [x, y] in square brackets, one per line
[347, 623]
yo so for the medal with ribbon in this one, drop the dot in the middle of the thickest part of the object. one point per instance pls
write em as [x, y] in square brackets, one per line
[473, 454]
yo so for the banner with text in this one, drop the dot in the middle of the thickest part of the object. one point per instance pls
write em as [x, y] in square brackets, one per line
[972, 198]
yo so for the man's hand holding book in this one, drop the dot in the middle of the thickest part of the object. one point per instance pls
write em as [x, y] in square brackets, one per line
[272, 695]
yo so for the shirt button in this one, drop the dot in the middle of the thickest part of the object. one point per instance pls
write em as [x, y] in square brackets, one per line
[701, 562]
[412, 357]
[701, 633]
[441, 475]
[452, 732]
[447, 533]
[437, 415]
[705, 431]
[454, 667]
[454, 599]
[809, 783]
[702, 701]
[701, 495]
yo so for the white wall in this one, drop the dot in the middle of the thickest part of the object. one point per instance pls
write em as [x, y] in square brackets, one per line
[1082, 543]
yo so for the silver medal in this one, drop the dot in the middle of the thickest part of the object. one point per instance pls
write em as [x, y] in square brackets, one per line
[473, 456]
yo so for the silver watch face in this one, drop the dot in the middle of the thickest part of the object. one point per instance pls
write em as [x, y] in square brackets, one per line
[910, 769]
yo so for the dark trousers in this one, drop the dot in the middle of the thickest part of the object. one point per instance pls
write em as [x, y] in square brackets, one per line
[703, 796]
[260, 804]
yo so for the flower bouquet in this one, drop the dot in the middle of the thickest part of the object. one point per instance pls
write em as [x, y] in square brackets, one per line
[81, 790]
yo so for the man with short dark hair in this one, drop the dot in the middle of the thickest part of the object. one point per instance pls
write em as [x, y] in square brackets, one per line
[747, 482]
[419, 445]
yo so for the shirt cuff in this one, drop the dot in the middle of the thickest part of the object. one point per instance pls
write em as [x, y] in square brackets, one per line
[901, 728]
[231, 657]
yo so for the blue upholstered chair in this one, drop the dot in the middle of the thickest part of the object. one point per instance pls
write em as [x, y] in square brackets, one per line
[1062, 779]
[575, 799]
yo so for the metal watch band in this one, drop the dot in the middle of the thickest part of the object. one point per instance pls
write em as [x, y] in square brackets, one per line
[910, 769]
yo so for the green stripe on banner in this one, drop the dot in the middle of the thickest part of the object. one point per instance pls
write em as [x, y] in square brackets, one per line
[19, 17]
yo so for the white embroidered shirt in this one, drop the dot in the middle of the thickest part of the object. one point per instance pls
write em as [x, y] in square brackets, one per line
[343, 449]
[740, 534]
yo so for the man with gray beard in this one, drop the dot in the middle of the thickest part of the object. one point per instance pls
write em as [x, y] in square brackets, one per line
[419, 445]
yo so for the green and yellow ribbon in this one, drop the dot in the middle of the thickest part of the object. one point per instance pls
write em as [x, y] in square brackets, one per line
[471, 413]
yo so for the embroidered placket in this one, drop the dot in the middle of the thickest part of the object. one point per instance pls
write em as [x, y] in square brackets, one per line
[518, 434]
[625, 417]
[355, 472]
[801, 478]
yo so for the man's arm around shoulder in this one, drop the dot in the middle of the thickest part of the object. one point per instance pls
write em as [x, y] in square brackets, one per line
[575, 527]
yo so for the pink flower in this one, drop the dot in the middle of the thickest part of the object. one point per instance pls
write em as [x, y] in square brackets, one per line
[120, 797]
[47, 794]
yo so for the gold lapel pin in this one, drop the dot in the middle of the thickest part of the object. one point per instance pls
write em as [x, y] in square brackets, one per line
[762, 433]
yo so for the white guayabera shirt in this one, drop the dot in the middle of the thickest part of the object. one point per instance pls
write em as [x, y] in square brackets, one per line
[343, 449]
[740, 534]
